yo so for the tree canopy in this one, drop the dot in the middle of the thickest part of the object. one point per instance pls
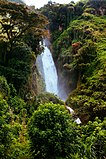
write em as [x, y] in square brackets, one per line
[51, 132]
[16, 19]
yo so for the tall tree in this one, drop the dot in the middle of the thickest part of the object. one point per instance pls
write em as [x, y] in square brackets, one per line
[16, 19]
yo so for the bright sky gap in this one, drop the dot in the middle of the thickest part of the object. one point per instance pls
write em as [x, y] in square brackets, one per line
[39, 3]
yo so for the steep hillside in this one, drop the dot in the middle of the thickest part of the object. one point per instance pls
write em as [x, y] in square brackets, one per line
[36, 126]
[97, 7]
[81, 48]
[60, 16]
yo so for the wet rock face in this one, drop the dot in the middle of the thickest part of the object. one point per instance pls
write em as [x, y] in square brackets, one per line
[67, 81]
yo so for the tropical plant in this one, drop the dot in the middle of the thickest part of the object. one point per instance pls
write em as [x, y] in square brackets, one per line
[52, 132]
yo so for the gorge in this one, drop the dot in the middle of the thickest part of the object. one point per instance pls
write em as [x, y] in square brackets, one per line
[36, 124]
[48, 72]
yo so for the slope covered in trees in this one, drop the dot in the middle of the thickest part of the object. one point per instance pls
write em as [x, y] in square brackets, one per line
[39, 126]
[78, 37]
[84, 49]
[18, 26]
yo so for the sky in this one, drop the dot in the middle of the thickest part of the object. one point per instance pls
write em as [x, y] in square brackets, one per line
[40, 3]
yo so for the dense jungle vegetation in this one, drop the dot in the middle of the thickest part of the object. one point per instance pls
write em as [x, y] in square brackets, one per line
[38, 126]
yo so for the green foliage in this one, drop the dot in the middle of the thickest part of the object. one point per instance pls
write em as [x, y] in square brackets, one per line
[20, 150]
[90, 10]
[89, 101]
[33, 103]
[14, 142]
[3, 51]
[60, 16]
[16, 19]
[22, 52]
[20, 147]
[94, 139]
[16, 104]
[13, 91]
[88, 60]
[32, 39]
[3, 108]
[4, 87]
[21, 30]
[18, 67]
[84, 57]
[98, 6]
[5, 139]
[51, 132]
[5, 136]
[48, 97]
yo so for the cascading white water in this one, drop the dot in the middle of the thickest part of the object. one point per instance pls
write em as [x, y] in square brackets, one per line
[48, 71]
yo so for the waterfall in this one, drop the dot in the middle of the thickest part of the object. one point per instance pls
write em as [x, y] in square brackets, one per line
[47, 70]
